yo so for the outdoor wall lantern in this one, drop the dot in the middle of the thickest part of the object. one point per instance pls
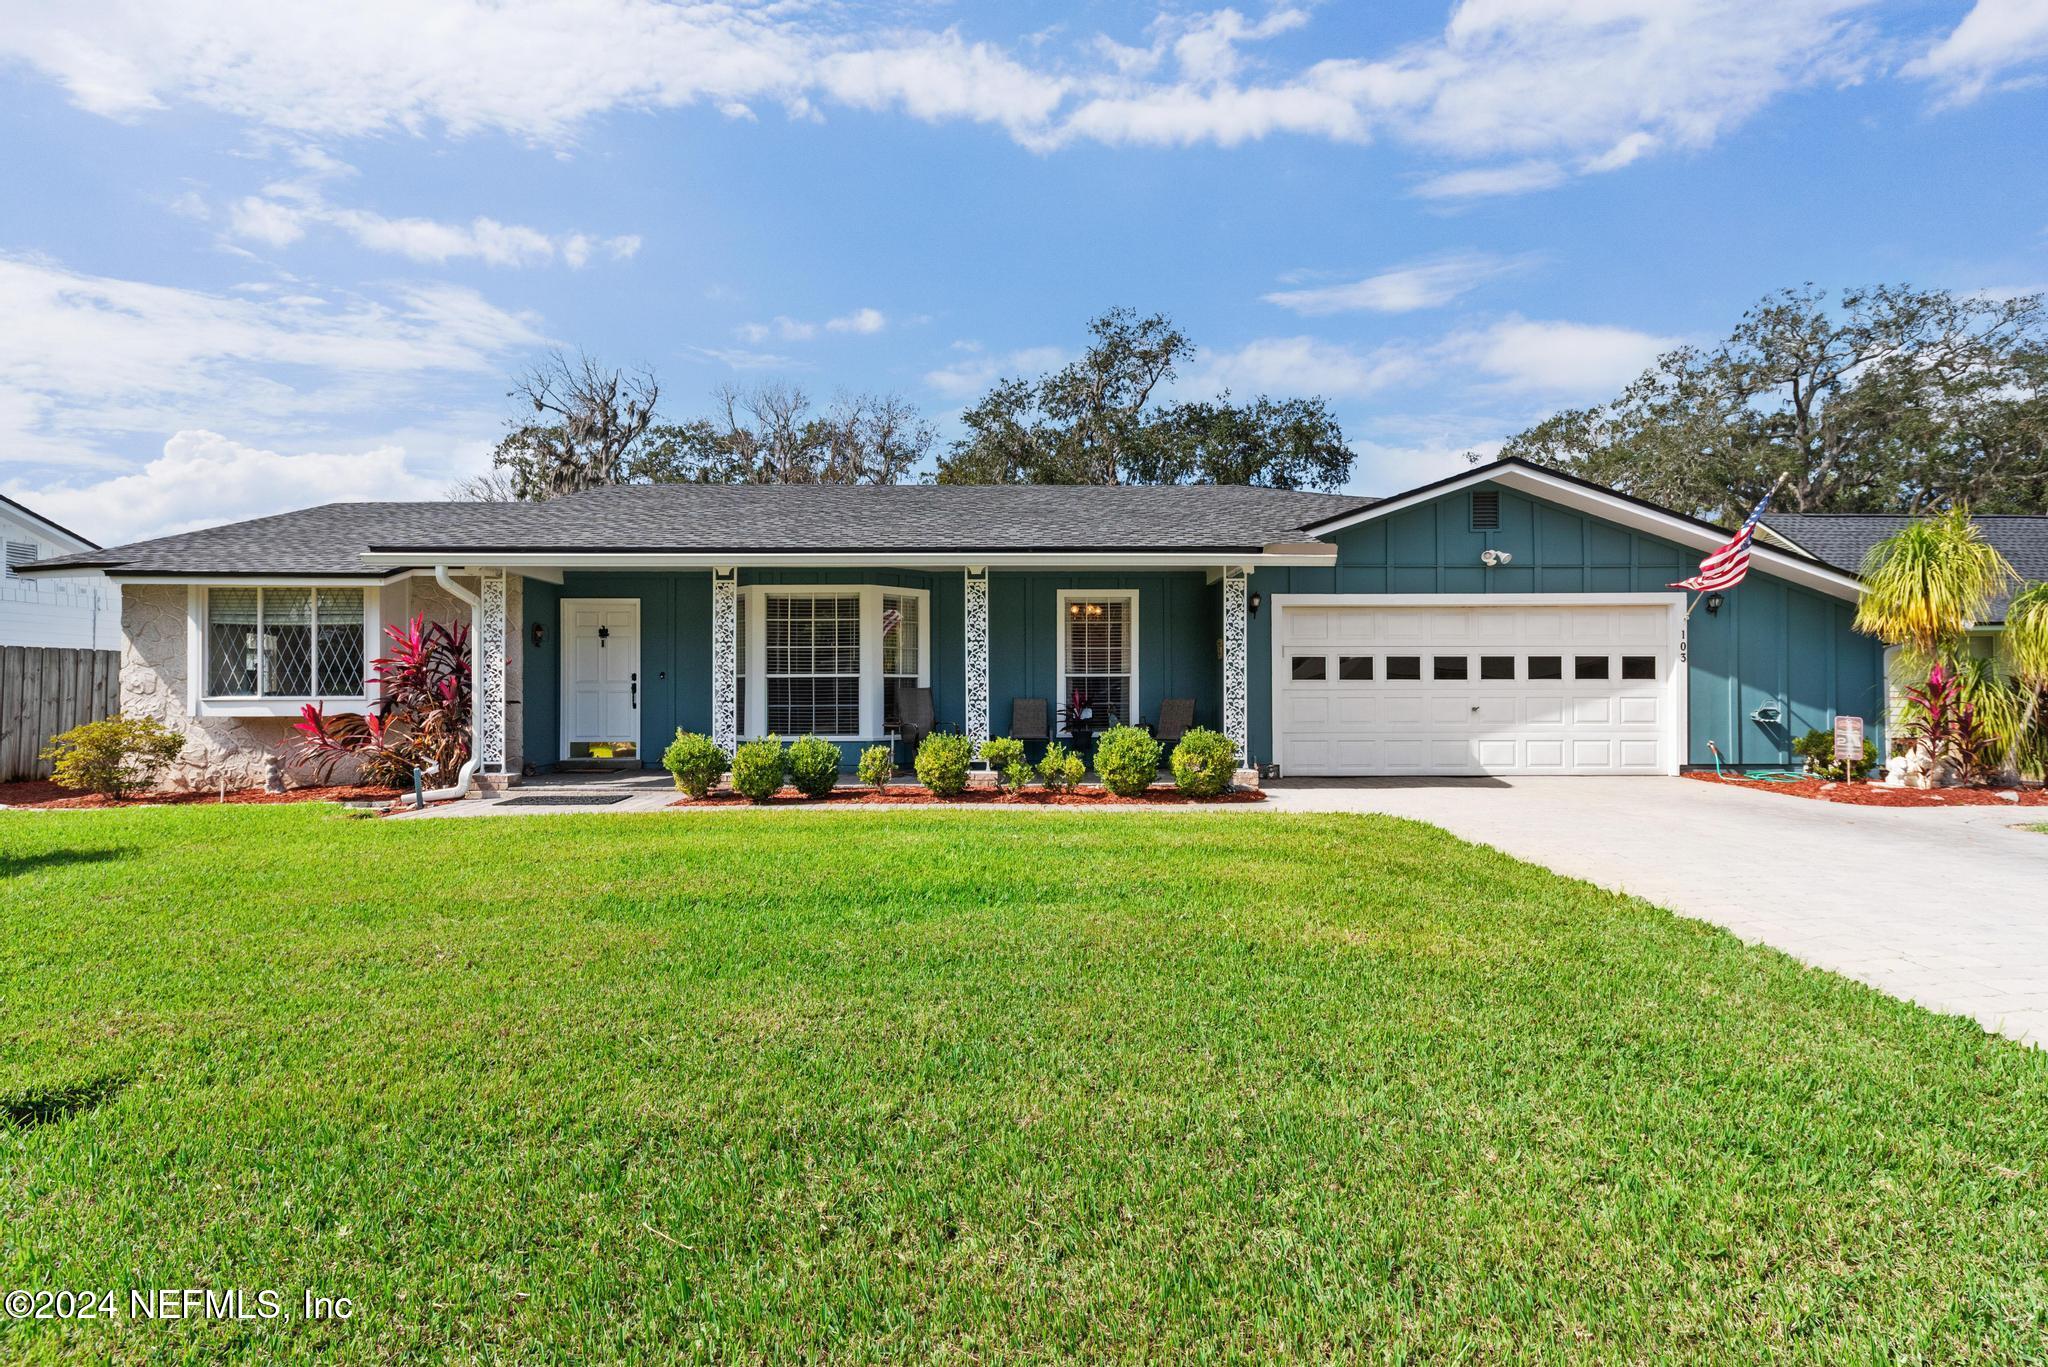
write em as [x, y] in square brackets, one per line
[1713, 604]
[1253, 603]
[538, 632]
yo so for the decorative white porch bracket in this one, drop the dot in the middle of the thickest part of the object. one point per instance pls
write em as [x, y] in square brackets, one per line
[490, 659]
[725, 633]
[1236, 665]
[977, 658]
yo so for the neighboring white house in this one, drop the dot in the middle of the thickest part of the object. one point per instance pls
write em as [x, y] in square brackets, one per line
[82, 611]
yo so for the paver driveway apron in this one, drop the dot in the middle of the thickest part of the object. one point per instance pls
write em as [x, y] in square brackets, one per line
[1947, 908]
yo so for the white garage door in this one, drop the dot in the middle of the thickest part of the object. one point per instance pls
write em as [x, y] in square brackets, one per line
[1578, 689]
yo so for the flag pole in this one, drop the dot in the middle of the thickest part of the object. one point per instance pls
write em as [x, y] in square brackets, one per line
[1783, 475]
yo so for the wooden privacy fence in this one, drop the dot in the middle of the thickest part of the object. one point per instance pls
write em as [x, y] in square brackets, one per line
[45, 691]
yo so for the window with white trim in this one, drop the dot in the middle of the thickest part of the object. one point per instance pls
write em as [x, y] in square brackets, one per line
[902, 655]
[812, 664]
[1098, 656]
[284, 643]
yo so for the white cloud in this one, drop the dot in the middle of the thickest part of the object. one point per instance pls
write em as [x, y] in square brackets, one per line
[203, 479]
[1532, 88]
[1995, 37]
[1304, 365]
[740, 358]
[1403, 289]
[1515, 178]
[281, 214]
[85, 357]
[1568, 360]
[969, 377]
[862, 322]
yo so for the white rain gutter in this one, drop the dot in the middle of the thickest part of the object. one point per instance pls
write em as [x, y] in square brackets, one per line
[460, 788]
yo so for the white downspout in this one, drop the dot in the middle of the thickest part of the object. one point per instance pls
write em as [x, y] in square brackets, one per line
[460, 788]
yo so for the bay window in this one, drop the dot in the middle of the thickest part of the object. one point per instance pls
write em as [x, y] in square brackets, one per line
[830, 660]
[902, 653]
[813, 664]
[1098, 657]
[284, 642]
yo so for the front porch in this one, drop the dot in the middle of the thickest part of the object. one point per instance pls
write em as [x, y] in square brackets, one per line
[596, 668]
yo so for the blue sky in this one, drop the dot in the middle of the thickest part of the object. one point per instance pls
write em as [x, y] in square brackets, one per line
[256, 256]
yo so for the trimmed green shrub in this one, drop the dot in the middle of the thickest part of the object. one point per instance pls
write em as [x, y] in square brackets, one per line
[1817, 748]
[695, 760]
[1061, 767]
[813, 765]
[942, 761]
[113, 756]
[1203, 762]
[1005, 755]
[757, 768]
[1127, 758]
[877, 767]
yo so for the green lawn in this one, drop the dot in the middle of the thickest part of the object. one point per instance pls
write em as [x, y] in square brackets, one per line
[971, 1087]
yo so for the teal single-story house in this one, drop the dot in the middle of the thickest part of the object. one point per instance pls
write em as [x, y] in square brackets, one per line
[1508, 620]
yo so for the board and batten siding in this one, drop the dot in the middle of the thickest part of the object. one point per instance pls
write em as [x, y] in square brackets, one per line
[1772, 644]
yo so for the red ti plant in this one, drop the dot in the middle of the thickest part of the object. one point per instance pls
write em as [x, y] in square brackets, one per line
[419, 717]
[1945, 728]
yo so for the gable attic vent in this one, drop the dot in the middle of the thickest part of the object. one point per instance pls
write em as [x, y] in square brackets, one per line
[1485, 510]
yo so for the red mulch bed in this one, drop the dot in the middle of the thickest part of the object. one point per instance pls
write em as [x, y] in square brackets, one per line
[1877, 795]
[906, 796]
[43, 793]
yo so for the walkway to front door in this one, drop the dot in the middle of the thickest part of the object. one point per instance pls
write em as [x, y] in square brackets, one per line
[1943, 908]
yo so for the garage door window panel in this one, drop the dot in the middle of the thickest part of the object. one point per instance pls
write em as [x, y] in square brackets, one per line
[1450, 667]
[1354, 668]
[1546, 667]
[1308, 668]
[1496, 667]
[1639, 666]
[1590, 667]
[1404, 668]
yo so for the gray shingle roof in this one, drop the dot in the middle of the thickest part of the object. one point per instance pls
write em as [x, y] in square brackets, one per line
[698, 518]
[1843, 539]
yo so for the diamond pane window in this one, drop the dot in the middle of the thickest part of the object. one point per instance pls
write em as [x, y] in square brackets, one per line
[231, 651]
[287, 643]
[284, 643]
[340, 637]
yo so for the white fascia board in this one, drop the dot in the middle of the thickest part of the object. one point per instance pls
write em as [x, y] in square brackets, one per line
[707, 560]
[1623, 512]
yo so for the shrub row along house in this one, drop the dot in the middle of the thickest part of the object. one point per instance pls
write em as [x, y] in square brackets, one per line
[1508, 620]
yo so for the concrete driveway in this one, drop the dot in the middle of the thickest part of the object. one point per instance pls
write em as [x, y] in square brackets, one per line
[1947, 908]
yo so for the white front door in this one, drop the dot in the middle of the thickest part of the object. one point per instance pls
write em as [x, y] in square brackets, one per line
[1552, 688]
[600, 678]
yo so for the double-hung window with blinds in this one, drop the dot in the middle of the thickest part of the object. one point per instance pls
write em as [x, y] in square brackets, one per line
[284, 643]
[1098, 655]
[812, 664]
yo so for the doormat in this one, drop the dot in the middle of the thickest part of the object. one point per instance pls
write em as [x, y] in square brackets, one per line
[564, 800]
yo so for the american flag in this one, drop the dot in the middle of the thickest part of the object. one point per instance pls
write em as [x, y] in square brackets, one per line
[1725, 568]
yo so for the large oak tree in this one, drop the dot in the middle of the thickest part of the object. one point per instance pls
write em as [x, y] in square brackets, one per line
[1893, 400]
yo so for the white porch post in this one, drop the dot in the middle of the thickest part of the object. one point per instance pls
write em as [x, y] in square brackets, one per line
[1236, 665]
[725, 599]
[490, 644]
[977, 658]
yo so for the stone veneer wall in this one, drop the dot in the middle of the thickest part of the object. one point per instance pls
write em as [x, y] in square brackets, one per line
[237, 749]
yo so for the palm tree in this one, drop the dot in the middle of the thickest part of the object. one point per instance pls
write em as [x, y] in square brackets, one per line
[2024, 647]
[1927, 582]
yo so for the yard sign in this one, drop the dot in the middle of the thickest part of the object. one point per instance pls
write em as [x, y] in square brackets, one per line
[1849, 740]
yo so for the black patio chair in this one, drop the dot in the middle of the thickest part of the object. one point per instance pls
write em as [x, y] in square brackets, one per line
[914, 721]
[1028, 719]
[1176, 715]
